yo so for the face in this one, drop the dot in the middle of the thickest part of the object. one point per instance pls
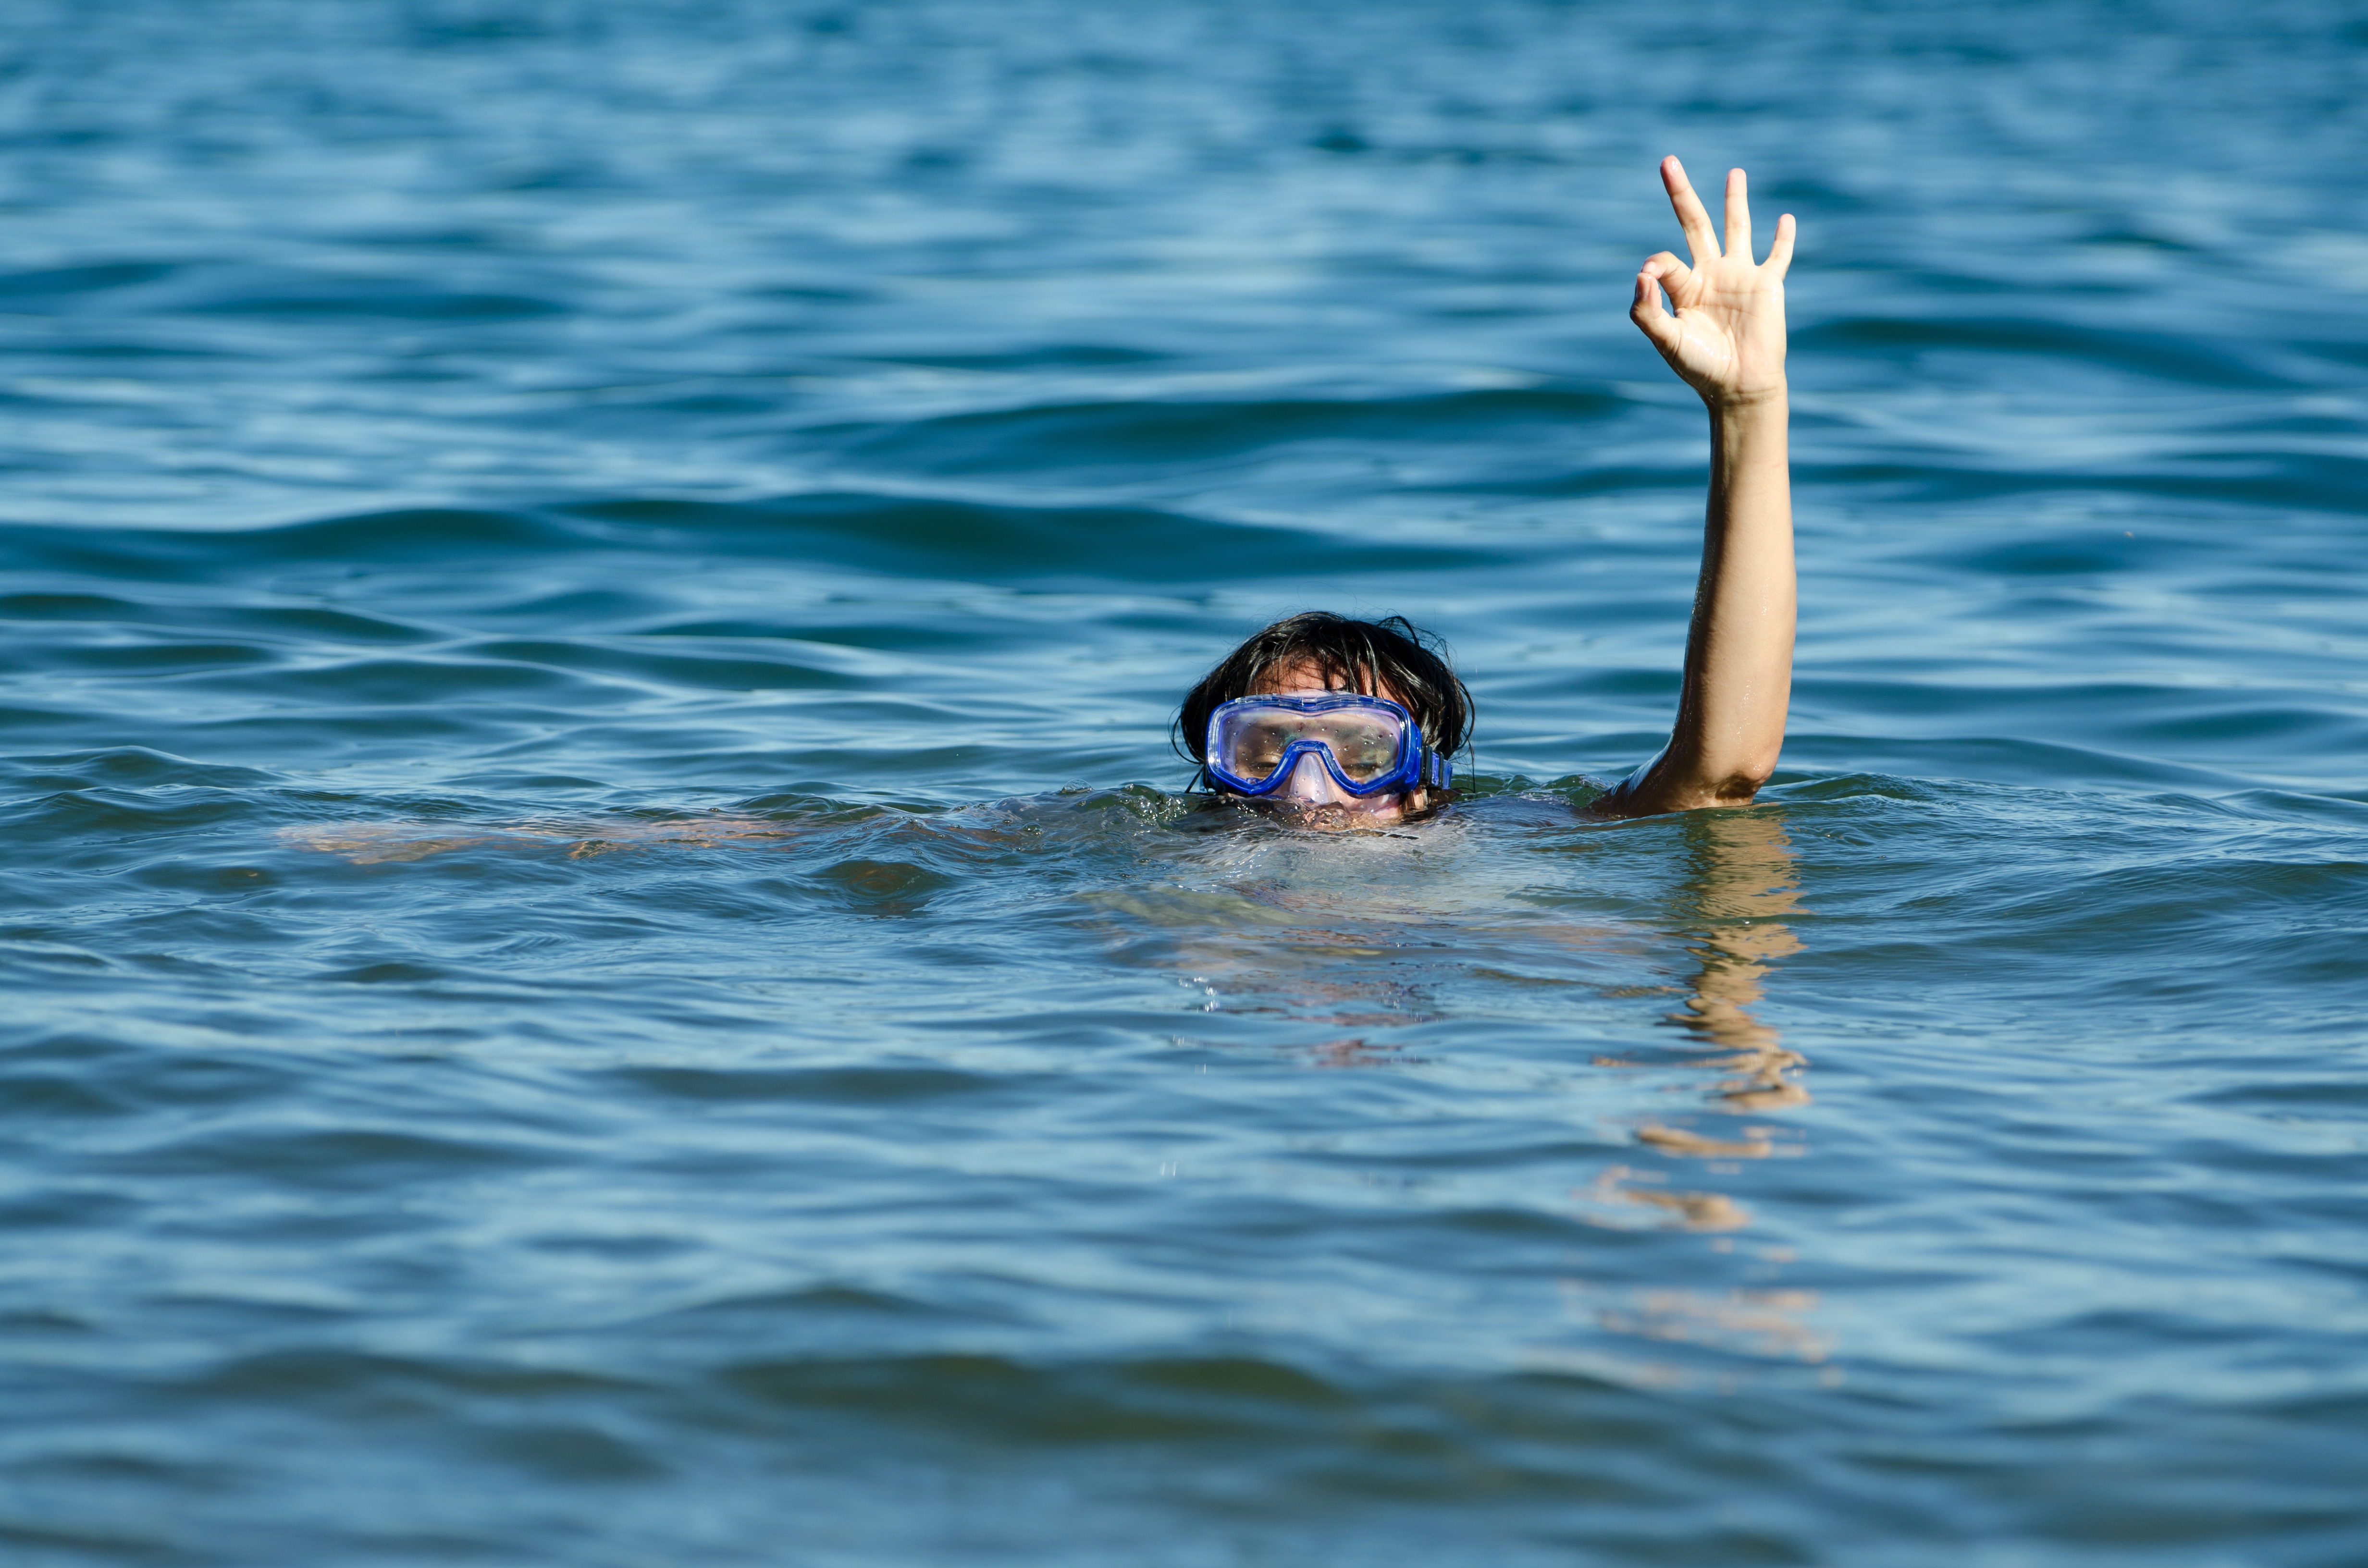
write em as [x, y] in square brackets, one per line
[1309, 799]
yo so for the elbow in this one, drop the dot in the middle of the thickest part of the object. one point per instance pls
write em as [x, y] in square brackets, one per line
[1737, 789]
[1652, 797]
[1737, 786]
[1693, 784]
[1745, 781]
[1740, 785]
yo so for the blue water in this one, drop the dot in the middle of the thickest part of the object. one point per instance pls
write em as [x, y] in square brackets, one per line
[604, 961]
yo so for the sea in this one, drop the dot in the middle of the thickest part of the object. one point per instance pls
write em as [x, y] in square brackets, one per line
[606, 960]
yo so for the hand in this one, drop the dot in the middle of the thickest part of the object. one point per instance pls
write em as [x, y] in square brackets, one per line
[1727, 339]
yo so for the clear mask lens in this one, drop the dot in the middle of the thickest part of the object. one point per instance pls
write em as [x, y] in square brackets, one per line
[1366, 744]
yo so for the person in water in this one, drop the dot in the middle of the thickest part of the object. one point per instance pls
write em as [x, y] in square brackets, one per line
[1332, 723]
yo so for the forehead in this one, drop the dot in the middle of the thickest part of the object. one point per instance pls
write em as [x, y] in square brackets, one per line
[1300, 674]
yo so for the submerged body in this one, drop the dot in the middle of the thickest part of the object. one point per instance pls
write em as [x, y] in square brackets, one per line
[1325, 723]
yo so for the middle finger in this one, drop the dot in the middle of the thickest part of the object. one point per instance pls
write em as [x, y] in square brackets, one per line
[1739, 215]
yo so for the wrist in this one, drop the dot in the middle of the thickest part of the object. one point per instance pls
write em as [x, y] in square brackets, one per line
[1743, 402]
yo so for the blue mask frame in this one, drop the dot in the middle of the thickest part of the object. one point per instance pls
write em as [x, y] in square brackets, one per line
[1417, 765]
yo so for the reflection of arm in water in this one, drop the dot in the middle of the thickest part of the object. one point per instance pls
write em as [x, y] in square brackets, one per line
[1744, 879]
[1726, 341]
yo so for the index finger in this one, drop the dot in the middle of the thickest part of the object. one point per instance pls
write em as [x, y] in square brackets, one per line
[1700, 238]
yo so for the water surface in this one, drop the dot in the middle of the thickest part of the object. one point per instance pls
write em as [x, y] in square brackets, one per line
[607, 962]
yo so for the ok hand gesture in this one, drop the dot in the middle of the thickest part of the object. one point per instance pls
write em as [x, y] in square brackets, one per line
[1726, 340]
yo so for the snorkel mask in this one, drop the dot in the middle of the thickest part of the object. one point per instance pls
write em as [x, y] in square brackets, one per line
[1369, 744]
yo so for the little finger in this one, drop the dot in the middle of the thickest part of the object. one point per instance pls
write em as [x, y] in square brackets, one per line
[1779, 252]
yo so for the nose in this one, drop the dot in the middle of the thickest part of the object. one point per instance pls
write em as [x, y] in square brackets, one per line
[1311, 784]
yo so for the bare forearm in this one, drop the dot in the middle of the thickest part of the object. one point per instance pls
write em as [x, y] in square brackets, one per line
[1739, 660]
[1730, 722]
[1725, 338]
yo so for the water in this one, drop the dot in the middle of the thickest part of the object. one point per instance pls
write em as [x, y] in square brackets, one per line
[580, 990]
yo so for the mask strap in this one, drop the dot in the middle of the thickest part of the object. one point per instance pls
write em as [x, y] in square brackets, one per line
[1435, 769]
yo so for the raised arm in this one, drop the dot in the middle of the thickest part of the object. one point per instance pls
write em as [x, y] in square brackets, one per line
[1726, 341]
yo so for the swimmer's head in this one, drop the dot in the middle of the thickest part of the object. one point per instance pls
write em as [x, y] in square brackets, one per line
[1319, 651]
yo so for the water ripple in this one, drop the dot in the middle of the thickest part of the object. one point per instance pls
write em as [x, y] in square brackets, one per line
[607, 961]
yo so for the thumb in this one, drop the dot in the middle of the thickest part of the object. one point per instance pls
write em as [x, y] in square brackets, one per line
[1651, 317]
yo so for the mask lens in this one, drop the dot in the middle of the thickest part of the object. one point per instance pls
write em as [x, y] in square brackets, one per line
[1258, 748]
[1251, 742]
[1364, 745]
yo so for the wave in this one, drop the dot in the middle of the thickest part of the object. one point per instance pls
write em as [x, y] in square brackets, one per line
[907, 536]
[1085, 436]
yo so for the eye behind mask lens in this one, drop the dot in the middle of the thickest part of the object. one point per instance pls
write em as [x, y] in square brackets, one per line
[1363, 746]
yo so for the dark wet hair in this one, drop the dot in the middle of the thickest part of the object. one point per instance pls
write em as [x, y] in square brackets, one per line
[1358, 654]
